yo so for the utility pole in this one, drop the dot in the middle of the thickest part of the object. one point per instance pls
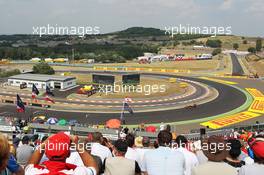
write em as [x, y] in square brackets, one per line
[73, 55]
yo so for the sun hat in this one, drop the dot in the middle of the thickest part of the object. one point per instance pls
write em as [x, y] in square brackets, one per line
[215, 148]
[257, 146]
[138, 142]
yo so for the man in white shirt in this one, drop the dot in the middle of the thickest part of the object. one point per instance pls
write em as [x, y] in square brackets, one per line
[24, 152]
[142, 146]
[131, 153]
[119, 165]
[163, 160]
[190, 158]
[98, 149]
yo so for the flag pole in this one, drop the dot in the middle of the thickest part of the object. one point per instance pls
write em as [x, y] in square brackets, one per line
[122, 113]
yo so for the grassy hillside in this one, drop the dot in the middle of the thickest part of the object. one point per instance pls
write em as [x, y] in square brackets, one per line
[228, 41]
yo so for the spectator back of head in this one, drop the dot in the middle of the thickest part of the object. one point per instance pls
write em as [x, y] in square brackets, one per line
[121, 146]
[164, 138]
[130, 139]
[235, 150]
[97, 137]
[16, 141]
[181, 141]
[25, 140]
[34, 138]
[146, 142]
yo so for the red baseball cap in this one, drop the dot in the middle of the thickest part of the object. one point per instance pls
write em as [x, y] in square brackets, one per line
[58, 146]
[257, 147]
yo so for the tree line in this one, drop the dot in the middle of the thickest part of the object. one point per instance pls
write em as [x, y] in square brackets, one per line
[100, 52]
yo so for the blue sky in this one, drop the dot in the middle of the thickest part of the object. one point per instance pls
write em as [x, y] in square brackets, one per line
[244, 16]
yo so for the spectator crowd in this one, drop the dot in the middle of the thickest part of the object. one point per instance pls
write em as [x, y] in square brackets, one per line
[242, 153]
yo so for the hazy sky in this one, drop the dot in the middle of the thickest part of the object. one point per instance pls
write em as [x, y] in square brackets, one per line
[244, 16]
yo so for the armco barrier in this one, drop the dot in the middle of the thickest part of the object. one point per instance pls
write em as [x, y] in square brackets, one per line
[113, 134]
[83, 131]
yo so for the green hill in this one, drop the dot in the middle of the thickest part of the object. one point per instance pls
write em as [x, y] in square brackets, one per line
[139, 32]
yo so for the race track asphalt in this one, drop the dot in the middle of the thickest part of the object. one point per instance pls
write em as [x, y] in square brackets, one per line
[237, 68]
[229, 98]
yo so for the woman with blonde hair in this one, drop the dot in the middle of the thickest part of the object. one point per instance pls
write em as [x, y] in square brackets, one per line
[4, 152]
[8, 164]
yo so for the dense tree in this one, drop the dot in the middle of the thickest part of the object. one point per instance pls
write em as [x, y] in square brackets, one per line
[216, 51]
[92, 51]
[235, 46]
[252, 50]
[4, 73]
[110, 57]
[214, 43]
[43, 68]
[245, 42]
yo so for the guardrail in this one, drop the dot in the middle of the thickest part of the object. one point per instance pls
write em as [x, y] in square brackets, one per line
[83, 131]
[113, 133]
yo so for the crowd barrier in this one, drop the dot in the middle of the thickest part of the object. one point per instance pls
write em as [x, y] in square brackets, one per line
[113, 133]
[83, 131]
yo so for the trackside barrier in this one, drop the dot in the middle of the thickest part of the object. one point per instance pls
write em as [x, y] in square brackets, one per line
[147, 69]
[113, 133]
[83, 131]
[197, 136]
